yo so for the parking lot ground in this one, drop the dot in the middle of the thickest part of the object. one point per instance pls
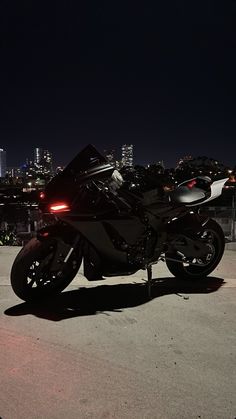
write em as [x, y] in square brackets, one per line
[105, 350]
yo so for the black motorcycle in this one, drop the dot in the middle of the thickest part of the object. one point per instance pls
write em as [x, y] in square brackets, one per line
[95, 216]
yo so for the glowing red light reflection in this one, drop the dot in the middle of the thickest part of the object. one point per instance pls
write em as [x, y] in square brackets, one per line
[59, 206]
[191, 184]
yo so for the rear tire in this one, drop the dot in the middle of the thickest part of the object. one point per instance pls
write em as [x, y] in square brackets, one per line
[31, 277]
[192, 272]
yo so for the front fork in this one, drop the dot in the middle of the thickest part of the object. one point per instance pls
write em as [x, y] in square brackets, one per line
[63, 249]
[63, 253]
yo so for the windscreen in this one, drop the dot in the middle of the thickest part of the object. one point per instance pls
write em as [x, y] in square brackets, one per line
[88, 162]
[87, 159]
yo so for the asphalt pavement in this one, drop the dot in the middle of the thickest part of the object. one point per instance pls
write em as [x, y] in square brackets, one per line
[105, 350]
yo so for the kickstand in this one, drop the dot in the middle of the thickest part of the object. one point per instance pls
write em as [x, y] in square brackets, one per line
[149, 281]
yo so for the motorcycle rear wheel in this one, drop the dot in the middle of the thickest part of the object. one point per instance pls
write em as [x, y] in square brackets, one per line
[31, 277]
[196, 272]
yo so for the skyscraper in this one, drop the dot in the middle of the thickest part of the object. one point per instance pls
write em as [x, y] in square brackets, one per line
[127, 157]
[43, 161]
[38, 155]
[47, 162]
[2, 163]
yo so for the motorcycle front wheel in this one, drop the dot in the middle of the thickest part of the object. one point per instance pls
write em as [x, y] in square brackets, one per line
[199, 268]
[31, 274]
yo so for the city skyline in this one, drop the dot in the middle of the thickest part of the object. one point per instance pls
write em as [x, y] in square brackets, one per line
[113, 154]
[160, 77]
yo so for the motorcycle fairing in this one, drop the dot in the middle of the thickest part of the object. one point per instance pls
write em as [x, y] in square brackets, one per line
[87, 164]
[197, 191]
[216, 189]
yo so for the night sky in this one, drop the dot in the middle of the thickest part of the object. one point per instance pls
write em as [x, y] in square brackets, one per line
[160, 77]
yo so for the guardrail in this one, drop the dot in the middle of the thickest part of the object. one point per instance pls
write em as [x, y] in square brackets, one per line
[225, 216]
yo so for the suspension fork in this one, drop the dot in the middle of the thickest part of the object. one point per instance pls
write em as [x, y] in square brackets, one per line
[63, 253]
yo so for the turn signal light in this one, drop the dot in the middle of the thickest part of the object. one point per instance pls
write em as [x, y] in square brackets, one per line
[59, 207]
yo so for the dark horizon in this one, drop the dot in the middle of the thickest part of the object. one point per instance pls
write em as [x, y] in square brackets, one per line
[160, 77]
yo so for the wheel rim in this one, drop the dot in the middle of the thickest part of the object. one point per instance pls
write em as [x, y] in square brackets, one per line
[201, 265]
[39, 275]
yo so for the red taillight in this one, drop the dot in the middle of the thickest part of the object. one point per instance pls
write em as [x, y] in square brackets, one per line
[42, 195]
[59, 207]
[191, 184]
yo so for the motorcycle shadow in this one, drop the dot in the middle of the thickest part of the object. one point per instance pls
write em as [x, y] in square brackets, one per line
[105, 298]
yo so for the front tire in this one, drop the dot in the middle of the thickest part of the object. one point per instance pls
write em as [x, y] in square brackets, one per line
[31, 276]
[215, 236]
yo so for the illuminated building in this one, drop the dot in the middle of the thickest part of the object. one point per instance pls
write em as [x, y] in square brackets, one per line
[47, 162]
[14, 172]
[42, 162]
[38, 155]
[127, 157]
[2, 163]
